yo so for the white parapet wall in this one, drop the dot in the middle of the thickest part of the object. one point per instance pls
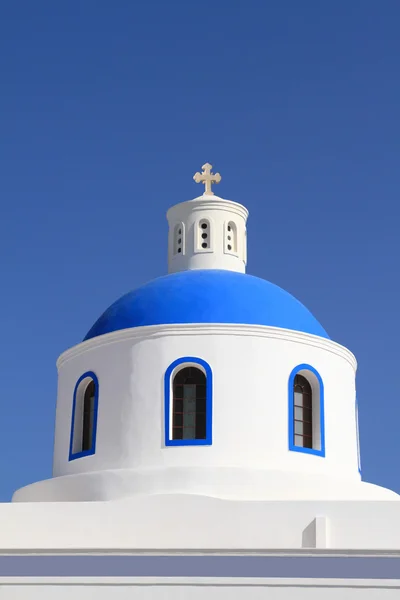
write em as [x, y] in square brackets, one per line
[163, 546]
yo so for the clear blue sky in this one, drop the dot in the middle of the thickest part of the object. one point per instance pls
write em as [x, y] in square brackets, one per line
[106, 111]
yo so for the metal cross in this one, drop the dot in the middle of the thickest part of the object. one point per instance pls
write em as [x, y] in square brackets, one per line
[207, 178]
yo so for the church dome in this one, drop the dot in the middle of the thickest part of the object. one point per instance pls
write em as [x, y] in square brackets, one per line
[207, 296]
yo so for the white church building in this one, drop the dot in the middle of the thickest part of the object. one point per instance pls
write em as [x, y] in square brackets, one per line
[206, 446]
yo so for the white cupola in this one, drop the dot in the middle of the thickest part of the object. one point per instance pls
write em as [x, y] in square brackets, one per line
[207, 232]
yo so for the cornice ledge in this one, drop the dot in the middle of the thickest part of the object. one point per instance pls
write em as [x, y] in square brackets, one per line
[181, 329]
[210, 203]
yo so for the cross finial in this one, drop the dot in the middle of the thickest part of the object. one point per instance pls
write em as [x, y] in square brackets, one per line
[207, 178]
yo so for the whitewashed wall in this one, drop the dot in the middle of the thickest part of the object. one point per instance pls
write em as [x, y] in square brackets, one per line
[249, 457]
[247, 549]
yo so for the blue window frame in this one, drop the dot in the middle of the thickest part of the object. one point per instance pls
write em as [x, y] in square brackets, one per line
[188, 403]
[306, 411]
[84, 416]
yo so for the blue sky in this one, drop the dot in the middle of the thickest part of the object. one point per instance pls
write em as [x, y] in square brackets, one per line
[106, 111]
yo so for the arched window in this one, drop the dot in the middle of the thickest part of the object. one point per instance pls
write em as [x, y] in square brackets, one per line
[188, 403]
[231, 243]
[306, 411]
[203, 242]
[179, 239]
[84, 416]
[302, 412]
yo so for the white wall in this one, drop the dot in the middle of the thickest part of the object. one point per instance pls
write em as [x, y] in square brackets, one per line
[249, 457]
[148, 522]
[150, 527]
[251, 367]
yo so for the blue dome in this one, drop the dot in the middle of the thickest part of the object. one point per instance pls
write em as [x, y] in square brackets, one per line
[207, 296]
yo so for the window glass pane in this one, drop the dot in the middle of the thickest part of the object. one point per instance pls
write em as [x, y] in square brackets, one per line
[302, 411]
[201, 406]
[178, 406]
[201, 426]
[188, 432]
[298, 399]
[189, 411]
[298, 427]
[307, 415]
[201, 391]
[178, 420]
[307, 429]
[88, 416]
[177, 433]
[189, 393]
[307, 400]
[178, 390]
[298, 413]
[307, 442]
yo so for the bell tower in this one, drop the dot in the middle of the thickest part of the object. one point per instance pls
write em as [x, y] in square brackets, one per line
[207, 232]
